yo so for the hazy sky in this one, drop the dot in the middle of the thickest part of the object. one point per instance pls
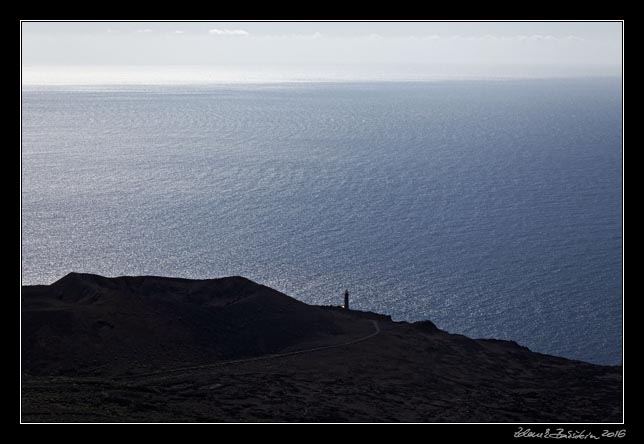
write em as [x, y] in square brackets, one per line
[94, 51]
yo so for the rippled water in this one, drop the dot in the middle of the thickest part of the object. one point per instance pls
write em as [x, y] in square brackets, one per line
[492, 208]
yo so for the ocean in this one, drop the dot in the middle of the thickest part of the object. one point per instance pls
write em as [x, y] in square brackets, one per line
[492, 208]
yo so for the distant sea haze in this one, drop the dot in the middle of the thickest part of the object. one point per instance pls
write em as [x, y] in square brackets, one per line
[75, 76]
[492, 208]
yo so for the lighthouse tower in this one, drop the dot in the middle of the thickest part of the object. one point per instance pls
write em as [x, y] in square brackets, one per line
[346, 299]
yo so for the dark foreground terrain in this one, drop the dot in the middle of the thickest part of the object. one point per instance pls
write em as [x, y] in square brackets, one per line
[139, 349]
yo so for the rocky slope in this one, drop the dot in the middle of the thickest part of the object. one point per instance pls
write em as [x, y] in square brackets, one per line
[138, 349]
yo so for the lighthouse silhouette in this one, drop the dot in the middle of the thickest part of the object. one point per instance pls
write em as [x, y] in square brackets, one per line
[346, 299]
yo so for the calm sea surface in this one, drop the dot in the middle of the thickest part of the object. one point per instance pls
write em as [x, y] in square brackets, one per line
[492, 208]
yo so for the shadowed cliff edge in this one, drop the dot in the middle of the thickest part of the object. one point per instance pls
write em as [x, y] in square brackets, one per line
[138, 349]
